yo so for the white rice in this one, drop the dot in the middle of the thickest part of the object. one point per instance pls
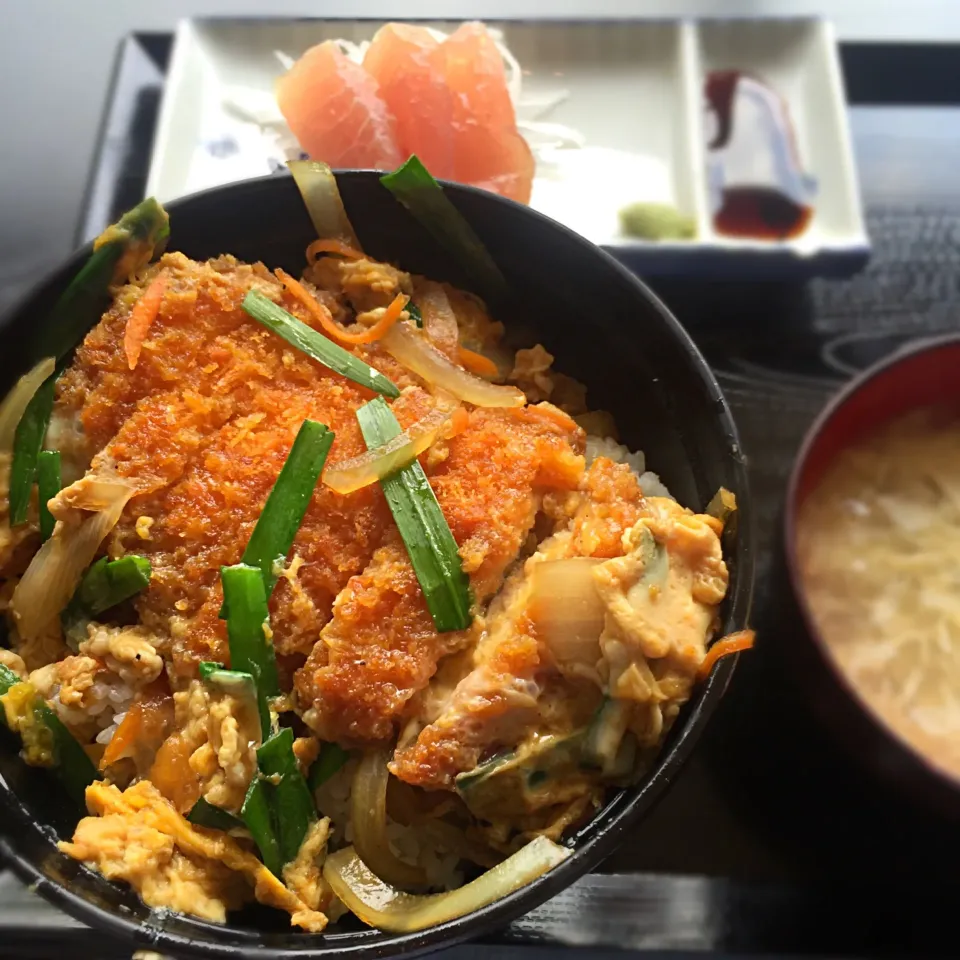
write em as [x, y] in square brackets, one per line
[650, 483]
[106, 734]
[440, 866]
[333, 801]
[653, 486]
[110, 702]
[606, 447]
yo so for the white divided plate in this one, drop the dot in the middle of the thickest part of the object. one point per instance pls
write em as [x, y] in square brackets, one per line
[632, 90]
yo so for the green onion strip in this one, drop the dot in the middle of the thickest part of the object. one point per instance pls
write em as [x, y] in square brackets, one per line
[426, 535]
[48, 486]
[315, 345]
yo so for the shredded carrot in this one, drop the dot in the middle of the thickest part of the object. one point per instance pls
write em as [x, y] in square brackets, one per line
[319, 311]
[736, 642]
[319, 247]
[142, 315]
[477, 363]
[390, 316]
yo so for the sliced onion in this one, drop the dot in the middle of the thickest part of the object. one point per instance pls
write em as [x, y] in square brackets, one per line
[567, 609]
[379, 905]
[439, 320]
[15, 402]
[55, 571]
[407, 346]
[349, 475]
[368, 813]
[318, 188]
[91, 493]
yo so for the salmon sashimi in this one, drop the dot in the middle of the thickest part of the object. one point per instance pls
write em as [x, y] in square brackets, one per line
[402, 59]
[381, 648]
[447, 102]
[334, 108]
[489, 151]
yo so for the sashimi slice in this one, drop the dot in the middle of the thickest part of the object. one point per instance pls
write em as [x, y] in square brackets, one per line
[334, 108]
[401, 58]
[488, 149]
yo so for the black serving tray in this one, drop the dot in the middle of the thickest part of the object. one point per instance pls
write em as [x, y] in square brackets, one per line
[771, 839]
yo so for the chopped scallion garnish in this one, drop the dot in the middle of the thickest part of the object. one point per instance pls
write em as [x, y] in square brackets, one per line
[122, 249]
[288, 794]
[48, 486]
[416, 189]
[74, 767]
[413, 312]
[107, 583]
[205, 814]
[238, 684]
[27, 443]
[258, 815]
[247, 629]
[70, 761]
[429, 542]
[287, 503]
[315, 345]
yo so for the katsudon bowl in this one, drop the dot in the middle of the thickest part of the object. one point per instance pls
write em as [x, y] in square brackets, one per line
[608, 331]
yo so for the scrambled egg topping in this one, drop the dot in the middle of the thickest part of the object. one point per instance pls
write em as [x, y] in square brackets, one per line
[129, 652]
[521, 735]
[304, 876]
[661, 599]
[212, 753]
[138, 836]
[18, 708]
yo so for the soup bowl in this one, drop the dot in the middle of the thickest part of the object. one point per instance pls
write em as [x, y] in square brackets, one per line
[606, 329]
[918, 376]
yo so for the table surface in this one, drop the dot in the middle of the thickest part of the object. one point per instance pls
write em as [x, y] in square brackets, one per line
[770, 839]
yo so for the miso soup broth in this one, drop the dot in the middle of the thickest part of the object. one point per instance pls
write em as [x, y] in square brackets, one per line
[878, 544]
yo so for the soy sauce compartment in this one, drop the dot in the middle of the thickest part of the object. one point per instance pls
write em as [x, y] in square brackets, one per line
[775, 155]
[757, 187]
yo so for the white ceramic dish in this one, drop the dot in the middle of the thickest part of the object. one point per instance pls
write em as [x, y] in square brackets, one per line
[634, 91]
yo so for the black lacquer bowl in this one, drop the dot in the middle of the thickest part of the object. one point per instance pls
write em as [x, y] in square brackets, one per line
[607, 330]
